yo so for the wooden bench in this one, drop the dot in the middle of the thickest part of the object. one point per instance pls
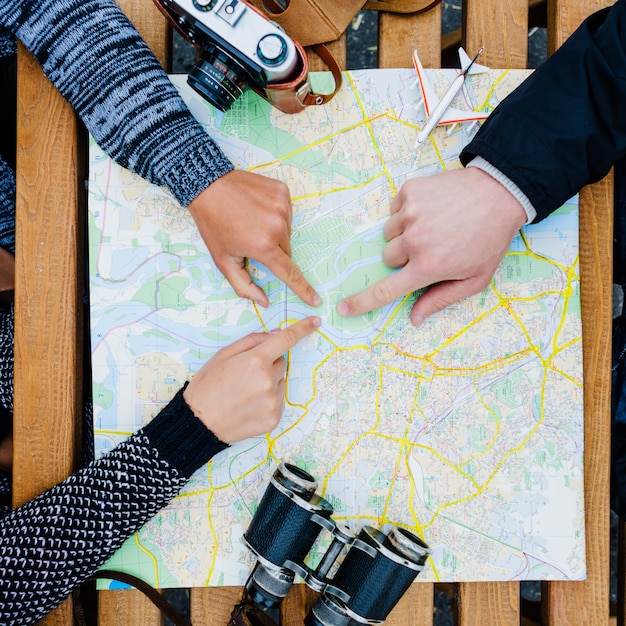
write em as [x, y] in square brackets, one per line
[49, 320]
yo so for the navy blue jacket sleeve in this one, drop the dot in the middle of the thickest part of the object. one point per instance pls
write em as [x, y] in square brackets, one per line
[565, 126]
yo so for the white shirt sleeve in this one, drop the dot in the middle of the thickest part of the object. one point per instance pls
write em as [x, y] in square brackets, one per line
[507, 183]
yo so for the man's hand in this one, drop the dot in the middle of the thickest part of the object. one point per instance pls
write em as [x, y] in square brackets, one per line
[449, 231]
[243, 215]
[240, 392]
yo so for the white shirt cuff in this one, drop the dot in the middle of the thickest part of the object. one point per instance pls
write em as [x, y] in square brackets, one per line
[507, 183]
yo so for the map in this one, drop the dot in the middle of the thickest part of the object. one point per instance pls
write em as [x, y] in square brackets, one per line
[467, 431]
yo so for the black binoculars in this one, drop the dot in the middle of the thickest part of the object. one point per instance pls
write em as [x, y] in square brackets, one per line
[363, 587]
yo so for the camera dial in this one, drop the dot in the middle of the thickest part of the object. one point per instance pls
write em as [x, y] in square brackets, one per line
[272, 49]
[204, 5]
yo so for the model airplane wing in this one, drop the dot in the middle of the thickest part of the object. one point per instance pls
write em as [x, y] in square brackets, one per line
[430, 98]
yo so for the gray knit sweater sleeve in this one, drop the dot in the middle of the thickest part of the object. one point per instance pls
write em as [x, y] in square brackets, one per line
[99, 63]
[53, 543]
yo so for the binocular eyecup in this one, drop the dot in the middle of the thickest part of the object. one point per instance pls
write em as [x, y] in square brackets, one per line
[375, 571]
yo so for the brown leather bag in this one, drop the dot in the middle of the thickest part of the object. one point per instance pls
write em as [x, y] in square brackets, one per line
[319, 21]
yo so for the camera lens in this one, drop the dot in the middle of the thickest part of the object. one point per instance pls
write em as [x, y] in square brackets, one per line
[218, 77]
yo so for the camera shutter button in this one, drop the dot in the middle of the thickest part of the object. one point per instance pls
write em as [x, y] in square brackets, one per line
[272, 49]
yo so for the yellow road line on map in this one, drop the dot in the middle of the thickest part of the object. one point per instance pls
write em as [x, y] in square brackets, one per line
[412, 491]
[259, 316]
[427, 358]
[117, 433]
[392, 317]
[537, 296]
[359, 101]
[417, 525]
[446, 462]
[155, 565]
[538, 257]
[305, 407]
[497, 421]
[328, 339]
[404, 447]
[505, 457]
[566, 376]
[213, 534]
[492, 88]
[317, 194]
[541, 257]
[504, 303]
[463, 330]
[228, 485]
[567, 295]
[484, 367]
[568, 344]
[314, 389]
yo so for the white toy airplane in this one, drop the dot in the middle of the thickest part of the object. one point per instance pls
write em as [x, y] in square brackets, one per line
[439, 111]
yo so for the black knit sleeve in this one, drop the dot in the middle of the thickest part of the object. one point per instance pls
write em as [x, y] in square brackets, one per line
[52, 544]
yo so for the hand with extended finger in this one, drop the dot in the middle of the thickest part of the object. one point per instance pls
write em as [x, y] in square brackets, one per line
[239, 393]
[243, 215]
[448, 231]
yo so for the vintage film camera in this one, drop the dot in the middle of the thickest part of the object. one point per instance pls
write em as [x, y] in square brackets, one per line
[376, 569]
[238, 47]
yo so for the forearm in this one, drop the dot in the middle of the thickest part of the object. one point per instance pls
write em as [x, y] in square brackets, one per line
[52, 544]
[99, 63]
[564, 127]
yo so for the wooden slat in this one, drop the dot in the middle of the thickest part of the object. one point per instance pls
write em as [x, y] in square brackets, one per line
[152, 26]
[297, 604]
[415, 607]
[502, 29]
[488, 603]
[588, 602]
[48, 281]
[399, 35]
[213, 606]
[127, 607]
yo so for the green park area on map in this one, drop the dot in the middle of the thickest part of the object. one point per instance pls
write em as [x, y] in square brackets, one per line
[467, 431]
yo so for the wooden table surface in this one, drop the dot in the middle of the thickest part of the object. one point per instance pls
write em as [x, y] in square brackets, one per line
[49, 318]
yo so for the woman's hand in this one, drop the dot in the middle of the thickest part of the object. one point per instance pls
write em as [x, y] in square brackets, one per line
[240, 392]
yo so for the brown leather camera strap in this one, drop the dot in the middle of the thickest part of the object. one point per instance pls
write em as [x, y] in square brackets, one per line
[326, 55]
[401, 6]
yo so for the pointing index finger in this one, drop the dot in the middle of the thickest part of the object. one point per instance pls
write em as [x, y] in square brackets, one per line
[383, 292]
[287, 338]
[286, 270]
